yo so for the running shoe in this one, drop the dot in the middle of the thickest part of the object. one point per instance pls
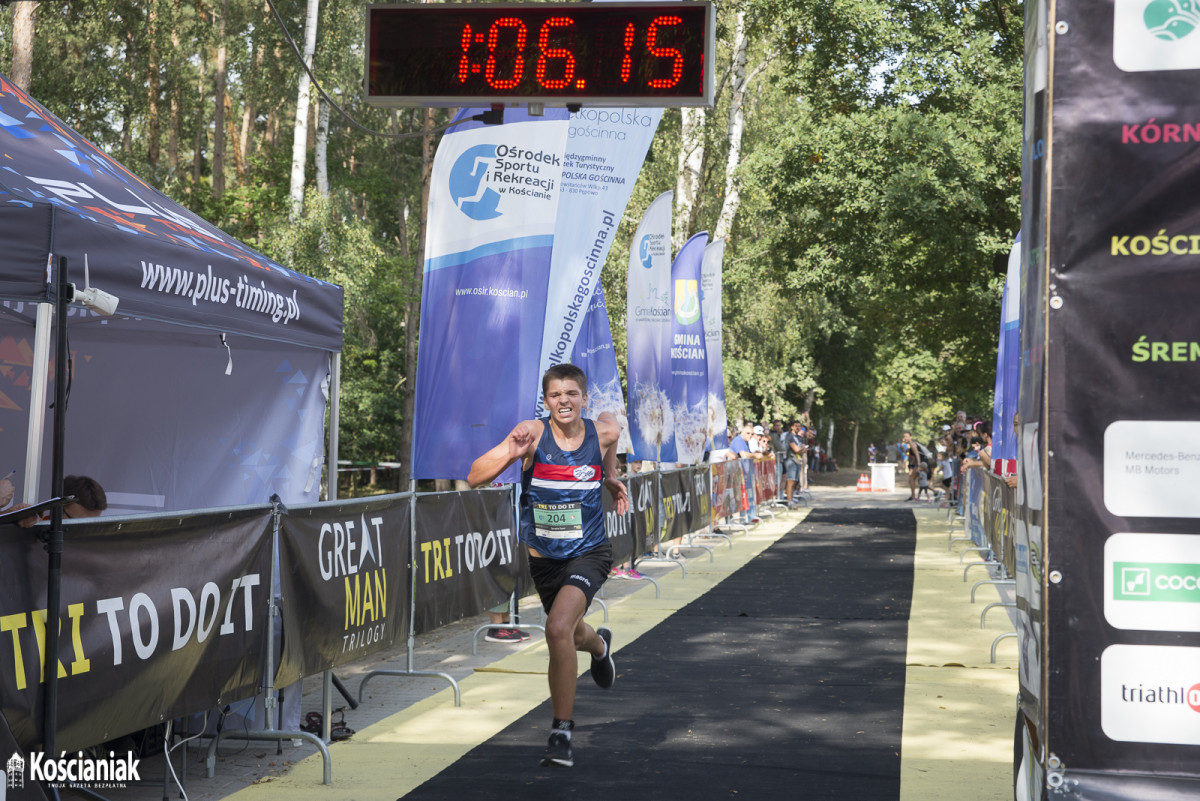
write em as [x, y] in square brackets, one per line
[510, 636]
[558, 752]
[617, 572]
[604, 671]
[631, 574]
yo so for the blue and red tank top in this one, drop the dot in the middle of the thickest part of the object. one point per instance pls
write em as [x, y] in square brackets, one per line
[561, 513]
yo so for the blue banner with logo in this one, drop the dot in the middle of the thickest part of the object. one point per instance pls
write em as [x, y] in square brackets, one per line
[648, 343]
[493, 202]
[605, 151]
[689, 357]
[710, 307]
[595, 355]
[1008, 371]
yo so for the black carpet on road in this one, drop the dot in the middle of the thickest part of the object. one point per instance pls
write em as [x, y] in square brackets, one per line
[786, 681]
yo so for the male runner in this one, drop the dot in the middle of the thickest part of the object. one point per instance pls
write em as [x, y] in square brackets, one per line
[564, 461]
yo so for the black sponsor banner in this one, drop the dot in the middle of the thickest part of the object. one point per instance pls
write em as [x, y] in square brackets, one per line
[344, 571]
[1122, 427]
[161, 617]
[700, 479]
[994, 503]
[1028, 539]
[687, 501]
[629, 533]
[467, 556]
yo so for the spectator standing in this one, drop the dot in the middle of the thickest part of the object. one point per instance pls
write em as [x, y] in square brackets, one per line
[741, 449]
[794, 446]
[777, 434]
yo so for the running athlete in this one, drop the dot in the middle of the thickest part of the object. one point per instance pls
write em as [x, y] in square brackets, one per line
[565, 459]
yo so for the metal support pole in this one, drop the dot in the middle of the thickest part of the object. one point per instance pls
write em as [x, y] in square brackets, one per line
[54, 543]
[331, 494]
[994, 604]
[995, 642]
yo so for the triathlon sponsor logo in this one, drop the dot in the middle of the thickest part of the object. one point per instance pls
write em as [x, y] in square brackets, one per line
[1152, 582]
[472, 197]
[687, 300]
[511, 170]
[1157, 582]
[1156, 35]
[1151, 694]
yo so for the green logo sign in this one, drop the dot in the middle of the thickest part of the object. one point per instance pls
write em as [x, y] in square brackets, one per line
[1171, 20]
[1162, 582]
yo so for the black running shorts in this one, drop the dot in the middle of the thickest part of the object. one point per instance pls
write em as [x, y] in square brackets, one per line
[587, 572]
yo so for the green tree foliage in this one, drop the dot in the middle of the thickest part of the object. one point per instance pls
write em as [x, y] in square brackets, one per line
[879, 187]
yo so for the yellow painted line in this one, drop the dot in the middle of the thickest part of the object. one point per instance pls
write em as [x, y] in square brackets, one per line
[396, 755]
[958, 707]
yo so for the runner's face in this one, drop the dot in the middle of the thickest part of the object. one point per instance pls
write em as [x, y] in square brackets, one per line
[565, 400]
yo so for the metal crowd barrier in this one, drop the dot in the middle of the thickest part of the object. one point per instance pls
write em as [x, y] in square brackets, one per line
[693, 522]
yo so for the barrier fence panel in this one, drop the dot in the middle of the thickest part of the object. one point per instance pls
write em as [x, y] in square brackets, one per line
[1000, 501]
[727, 489]
[765, 486]
[701, 507]
[974, 498]
[162, 616]
[631, 533]
[687, 504]
[345, 579]
[467, 558]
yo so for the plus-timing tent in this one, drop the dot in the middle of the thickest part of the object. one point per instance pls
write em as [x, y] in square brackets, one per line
[207, 388]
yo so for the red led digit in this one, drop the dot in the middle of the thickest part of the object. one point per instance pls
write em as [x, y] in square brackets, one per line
[627, 60]
[665, 52]
[549, 53]
[514, 52]
[464, 61]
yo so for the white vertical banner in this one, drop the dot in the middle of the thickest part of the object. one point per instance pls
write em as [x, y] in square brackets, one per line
[648, 344]
[604, 154]
[710, 304]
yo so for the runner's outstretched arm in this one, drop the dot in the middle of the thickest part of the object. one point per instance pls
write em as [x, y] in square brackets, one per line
[609, 431]
[521, 443]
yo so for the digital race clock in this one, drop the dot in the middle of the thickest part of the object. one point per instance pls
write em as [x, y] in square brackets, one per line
[594, 54]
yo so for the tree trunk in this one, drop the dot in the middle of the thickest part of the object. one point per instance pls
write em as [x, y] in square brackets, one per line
[24, 23]
[218, 161]
[691, 171]
[173, 133]
[249, 109]
[127, 106]
[199, 142]
[737, 125]
[412, 310]
[239, 162]
[854, 449]
[300, 133]
[321, 153]
[153, 88]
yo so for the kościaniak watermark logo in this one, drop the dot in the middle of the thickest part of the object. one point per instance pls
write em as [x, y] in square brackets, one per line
[1156, 35]
[77, 770]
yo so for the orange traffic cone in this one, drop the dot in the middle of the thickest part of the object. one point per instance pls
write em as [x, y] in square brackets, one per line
[864, 483]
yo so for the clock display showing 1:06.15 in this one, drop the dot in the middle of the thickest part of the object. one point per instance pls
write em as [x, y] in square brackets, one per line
[647, 54]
